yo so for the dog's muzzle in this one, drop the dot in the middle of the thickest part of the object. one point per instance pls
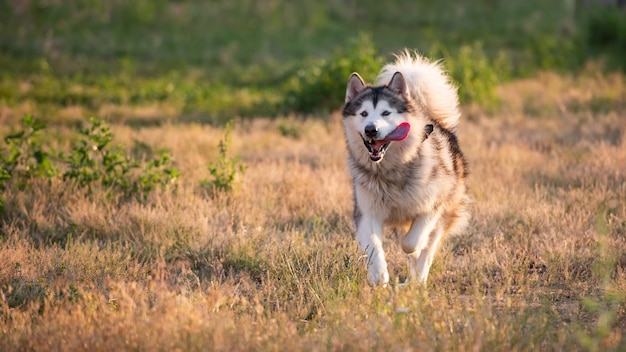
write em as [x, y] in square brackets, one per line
[376, 148]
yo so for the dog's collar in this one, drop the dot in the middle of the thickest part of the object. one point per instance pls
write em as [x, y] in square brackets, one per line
[428, 129]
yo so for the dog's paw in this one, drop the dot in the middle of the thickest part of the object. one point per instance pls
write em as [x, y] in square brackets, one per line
[377, 274]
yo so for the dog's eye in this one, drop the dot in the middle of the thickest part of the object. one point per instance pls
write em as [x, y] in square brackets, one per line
[364, 113]
[386, 113]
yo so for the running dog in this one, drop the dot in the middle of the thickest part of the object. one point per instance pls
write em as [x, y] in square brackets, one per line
[408, 171]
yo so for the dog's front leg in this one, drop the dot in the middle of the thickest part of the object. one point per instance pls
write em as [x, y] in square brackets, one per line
[415, 242]
[369, 236]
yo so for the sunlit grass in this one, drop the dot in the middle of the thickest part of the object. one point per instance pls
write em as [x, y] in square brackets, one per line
[272, 264]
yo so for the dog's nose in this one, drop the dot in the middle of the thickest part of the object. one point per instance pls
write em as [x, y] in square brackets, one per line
[371, 131]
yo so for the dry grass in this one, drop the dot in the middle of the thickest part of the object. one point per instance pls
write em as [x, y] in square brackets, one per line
[272, 266]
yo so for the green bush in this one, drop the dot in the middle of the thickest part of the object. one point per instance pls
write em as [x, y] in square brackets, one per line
[93, 162]
[319, 87]
[605, 32]
[476, 74]
[24, 157]
[606, 26]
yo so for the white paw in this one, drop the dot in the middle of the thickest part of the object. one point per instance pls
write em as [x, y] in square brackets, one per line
[377, 274]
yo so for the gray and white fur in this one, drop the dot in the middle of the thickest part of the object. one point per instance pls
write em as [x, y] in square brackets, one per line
[412, 179]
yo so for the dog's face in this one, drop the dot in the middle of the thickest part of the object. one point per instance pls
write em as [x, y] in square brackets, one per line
[377, 114]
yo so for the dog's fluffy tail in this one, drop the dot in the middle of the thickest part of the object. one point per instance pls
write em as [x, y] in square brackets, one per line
[428, 86]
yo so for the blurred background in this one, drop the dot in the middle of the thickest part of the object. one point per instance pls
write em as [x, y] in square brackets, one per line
[151, 61]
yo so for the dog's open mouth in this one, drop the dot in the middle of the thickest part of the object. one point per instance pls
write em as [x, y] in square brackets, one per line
[377, 147]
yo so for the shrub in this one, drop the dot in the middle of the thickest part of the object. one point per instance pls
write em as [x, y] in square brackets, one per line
[476, 74]
[23, 157]
[606, 27]
[605, 32]
[93, 162]
[320, 85]
[26, 157]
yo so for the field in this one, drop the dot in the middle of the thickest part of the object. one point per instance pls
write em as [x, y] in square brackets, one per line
[163, 228]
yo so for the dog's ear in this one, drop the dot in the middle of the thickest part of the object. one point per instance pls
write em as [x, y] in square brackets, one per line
[355, 86]
[398, 84]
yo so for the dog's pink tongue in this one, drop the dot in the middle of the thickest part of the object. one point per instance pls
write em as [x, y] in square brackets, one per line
[400, 133]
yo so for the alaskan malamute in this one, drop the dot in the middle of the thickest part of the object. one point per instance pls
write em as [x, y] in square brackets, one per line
[407, 168]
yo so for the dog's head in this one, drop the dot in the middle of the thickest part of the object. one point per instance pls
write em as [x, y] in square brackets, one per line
[378, 114]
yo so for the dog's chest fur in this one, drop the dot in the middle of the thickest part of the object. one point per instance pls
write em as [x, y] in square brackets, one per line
[396, 193]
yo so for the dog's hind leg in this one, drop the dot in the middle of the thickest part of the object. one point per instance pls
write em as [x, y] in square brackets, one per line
[425, 258]
[369, 236]
[416, 241]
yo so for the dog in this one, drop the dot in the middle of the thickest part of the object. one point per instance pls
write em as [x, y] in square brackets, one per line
[408, 171]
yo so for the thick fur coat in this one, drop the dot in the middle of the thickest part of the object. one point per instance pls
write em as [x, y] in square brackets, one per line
[407, 168]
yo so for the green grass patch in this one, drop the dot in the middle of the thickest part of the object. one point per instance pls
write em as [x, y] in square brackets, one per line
[212, 62]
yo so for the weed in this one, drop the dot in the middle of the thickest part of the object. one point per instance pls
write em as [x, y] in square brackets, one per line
[20, 291]
[24, 157]
[224, 169]
[156, 173]
[289, 128]
[93, 162]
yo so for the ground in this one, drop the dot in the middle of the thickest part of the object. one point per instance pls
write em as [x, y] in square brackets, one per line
[272, 263]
